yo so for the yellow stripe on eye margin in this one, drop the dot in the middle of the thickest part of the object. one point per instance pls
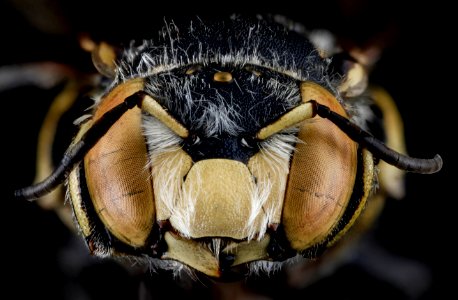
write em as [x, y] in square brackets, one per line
[155, 109]
[294, 116]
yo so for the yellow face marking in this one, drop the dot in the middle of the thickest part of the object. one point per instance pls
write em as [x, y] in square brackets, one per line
[294, 116]
[199, 257]
[192, 254]
[216, 201]
[155, 109]
[74, 190]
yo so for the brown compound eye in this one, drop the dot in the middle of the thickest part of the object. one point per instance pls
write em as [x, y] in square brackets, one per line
[332, 170]
[322, 176]
[117, 178]
[322, 171]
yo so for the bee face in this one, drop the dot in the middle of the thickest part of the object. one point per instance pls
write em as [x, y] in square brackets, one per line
[218, 192]
[219, 164]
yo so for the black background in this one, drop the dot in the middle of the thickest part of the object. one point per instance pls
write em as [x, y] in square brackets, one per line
[418, 68]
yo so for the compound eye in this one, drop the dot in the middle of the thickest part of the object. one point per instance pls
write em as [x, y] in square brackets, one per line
[322, 173]
[117, 181]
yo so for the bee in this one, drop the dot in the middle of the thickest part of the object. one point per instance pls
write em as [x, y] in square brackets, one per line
[229, 147]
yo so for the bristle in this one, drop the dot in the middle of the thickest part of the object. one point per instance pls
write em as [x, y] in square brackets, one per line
[153, 57]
